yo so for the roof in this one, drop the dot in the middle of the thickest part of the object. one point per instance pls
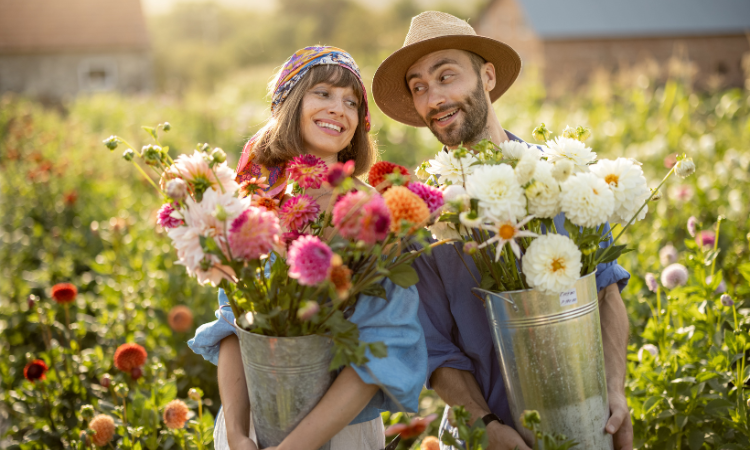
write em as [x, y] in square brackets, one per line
[64, 25]
[555, 19]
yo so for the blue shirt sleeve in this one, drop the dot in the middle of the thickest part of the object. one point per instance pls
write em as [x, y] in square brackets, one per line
[606, 273]
[437, 320]
[395, 323]
[209, 335]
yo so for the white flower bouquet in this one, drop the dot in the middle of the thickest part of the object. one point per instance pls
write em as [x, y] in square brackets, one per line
[501, 202]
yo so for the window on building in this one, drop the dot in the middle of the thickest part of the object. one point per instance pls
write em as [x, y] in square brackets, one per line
[97, 74]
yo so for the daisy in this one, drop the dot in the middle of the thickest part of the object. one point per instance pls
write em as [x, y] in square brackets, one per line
[506, 232]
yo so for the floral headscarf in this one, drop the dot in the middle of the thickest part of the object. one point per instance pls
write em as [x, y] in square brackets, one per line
[294, 70]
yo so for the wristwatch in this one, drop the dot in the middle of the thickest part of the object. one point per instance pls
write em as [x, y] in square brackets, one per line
[491, 417]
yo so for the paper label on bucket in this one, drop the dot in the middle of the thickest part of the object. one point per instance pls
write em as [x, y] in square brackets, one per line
[568, 298]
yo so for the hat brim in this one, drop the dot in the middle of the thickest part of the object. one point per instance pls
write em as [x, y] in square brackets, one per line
[392, 95]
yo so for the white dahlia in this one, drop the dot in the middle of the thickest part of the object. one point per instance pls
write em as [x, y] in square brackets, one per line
[586, 200]
[194, 169]
[571, 149]
[628, 185]
[543, 194]
[200, 221]
[552, 263]
[517, 150]
[455, 197]
[498, 191]
[525, 169]
[448, 168]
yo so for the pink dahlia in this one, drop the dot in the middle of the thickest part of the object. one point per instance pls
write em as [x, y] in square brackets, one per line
[339, 172]
[433, 197]
[291, 236]
[362, 216]
[309, 260]
[165, 218]
[253, 233]
[705, 238]
[307, 170]
[674, 275]
[298, 212]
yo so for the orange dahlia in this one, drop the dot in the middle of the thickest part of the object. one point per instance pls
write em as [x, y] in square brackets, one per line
[379, 170]
[341, 277]
[129, 356]
[104, 426]
[430, 443]
[180, 319]
[35, 370]
[176, 414]
[406, 205]
[64, 293]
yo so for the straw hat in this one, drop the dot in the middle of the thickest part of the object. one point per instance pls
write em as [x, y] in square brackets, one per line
[429, 32]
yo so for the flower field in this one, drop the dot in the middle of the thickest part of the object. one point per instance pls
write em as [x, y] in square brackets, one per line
[104, 359]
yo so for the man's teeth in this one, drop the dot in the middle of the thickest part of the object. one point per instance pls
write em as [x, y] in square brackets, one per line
[329, 125]
[447, 116]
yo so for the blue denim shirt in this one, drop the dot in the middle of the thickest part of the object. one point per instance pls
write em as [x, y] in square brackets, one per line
[393, 322]
[455, 322]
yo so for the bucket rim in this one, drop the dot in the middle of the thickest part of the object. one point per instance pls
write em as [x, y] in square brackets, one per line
[288, 338]
[478, 289]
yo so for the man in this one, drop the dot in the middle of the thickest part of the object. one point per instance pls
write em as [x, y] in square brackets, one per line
[446, 77]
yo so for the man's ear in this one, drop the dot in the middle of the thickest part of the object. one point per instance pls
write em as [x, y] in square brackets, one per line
[489, 79]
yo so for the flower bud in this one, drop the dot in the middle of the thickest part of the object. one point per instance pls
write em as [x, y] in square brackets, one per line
[583, 133]
[106, 380]
[206, 264]
[195, 394]
[121, 390]
[308, 310]
[471, 247]
[651, 282]
[220, 213]
[692, 226]
[152, 154]
[166, 126]
[218, 155]
[684, 167]
[204, 147]
[655, 195]
[177, 189]
[421, 171]
[128, 154]
[530, 418]
[569, 133]
[590, 250]
[726, 300]
[111, 142]
[136, 373]
[31, 301]
[541, 133]
[87, 412]
[650, 348]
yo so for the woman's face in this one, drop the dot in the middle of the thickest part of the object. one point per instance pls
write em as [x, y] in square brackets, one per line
[329, 119]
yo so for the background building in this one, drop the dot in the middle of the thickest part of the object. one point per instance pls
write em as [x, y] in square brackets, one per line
[570, 40]
[51, 49]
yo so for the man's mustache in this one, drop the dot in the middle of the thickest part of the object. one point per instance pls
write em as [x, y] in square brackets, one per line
[442, 109]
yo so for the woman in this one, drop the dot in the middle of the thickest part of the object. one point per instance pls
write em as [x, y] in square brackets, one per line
[319, 107]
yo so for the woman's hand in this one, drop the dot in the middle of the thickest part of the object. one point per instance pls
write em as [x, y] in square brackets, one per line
[242, 443]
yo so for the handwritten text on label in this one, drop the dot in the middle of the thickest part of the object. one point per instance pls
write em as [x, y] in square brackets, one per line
[568, 298]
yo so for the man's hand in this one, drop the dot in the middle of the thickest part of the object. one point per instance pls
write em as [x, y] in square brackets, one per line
[242, 443]
[503, 437]
[619, 424]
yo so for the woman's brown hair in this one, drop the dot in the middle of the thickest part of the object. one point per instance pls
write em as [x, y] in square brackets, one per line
[280, 139]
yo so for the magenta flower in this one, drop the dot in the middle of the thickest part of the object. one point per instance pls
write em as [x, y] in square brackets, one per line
[309, 260]
[362, 216]
[705, 238]
[692, 225]
[339, 172]
[298, 212]
[165, 219]
[674, 275]
[253, 233]
[307, 170]
[308, 310]
[291, 236]
[651, 283]
[668, 255]
[433, 197]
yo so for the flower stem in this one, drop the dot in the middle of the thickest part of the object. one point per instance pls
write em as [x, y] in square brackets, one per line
[716, 245]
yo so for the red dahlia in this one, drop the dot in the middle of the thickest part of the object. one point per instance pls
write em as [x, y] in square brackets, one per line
[379, 170]
[130, 356]
[35, 370]
[64, 293]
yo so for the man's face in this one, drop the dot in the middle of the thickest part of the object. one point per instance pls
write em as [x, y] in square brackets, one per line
[449, 96]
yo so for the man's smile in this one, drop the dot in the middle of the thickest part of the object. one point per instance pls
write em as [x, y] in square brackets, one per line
[445, 118]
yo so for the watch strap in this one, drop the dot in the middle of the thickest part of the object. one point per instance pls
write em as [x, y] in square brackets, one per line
[491, 417]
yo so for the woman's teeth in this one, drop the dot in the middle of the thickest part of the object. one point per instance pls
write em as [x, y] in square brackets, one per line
[445, 117]
[329, 125]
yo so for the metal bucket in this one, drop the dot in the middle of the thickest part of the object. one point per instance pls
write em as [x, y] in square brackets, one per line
[550, 348]
[286, 377]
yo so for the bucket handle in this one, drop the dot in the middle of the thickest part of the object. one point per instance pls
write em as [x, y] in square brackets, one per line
[224, 318]
[497, 294]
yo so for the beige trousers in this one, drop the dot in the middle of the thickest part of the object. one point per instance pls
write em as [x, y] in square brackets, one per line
[362, 436]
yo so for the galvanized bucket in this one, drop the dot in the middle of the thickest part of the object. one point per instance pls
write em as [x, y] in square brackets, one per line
[286, 377]
[550, 349]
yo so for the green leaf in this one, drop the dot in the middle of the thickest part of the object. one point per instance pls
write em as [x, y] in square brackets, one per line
[404, 276]
[375, 290]
[378, 349]
[167, 393]
[696, 439]
[610, 253]
[151, 131]
[705, 376]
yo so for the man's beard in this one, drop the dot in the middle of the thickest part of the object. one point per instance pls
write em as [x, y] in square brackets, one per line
[472, 128]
